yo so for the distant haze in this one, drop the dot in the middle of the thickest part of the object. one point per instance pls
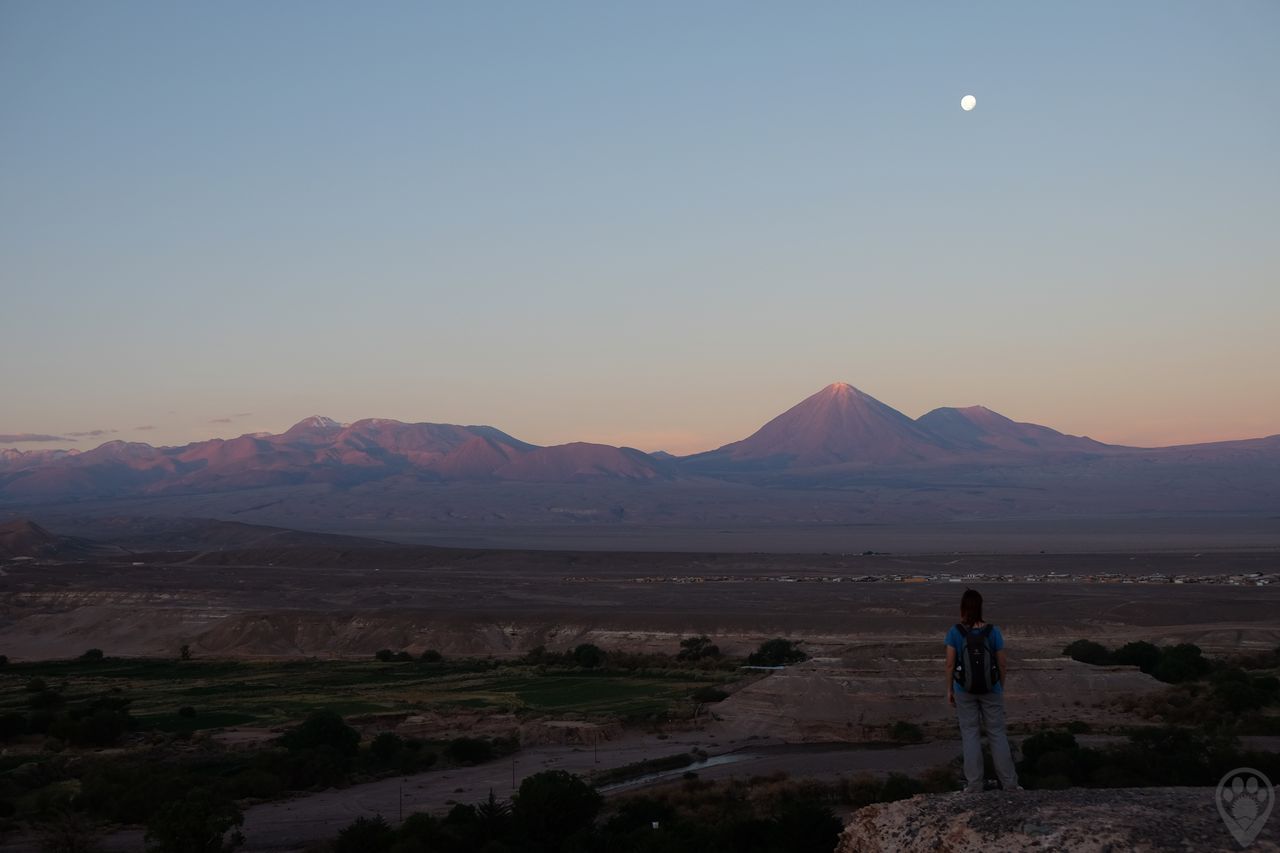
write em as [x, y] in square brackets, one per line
[654, 225]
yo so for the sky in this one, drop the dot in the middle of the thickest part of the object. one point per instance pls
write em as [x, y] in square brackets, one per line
[650, 224]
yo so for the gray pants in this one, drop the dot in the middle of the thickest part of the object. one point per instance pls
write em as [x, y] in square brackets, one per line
[975, 712]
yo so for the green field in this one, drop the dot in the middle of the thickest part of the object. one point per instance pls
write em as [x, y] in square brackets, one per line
[239, 693]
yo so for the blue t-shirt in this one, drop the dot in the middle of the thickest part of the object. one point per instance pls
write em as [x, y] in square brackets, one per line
[956, 641]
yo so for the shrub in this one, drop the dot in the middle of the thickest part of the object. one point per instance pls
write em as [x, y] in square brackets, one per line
[384, 655]
[1141, 654]
[421, 829]
[1183, 662]
[201, 822]
[36, 685]
[709, 694]
[899, 786]
[92, 655]
[1087, 651]
[805, 826]
[431, 656]
[365, 835]
[776, 652]
[469, 750]
[45, 699]
[103, 727]
[588, 656]
[385, 746]
[322, 729]
[697, 648]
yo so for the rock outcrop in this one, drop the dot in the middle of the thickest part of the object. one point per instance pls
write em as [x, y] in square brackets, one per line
[1084, 820]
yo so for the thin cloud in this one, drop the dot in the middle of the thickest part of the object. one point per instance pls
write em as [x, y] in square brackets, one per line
[14, 438]
[93, 433]
[145, 427]
[243, 415]
[220, 421]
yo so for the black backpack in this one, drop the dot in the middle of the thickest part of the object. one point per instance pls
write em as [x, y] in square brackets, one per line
[976, 667]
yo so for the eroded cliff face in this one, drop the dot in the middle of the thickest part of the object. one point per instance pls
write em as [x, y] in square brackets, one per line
[1079, 820]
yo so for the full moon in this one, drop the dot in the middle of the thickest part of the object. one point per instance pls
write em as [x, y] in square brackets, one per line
[968, 102]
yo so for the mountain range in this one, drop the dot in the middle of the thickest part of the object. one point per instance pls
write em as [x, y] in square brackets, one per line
[947, 463]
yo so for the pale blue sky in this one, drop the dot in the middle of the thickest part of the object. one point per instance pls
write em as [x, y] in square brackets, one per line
[655, 224]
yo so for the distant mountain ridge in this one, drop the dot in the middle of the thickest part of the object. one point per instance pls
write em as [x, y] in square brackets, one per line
[837, 425]
[837, 435]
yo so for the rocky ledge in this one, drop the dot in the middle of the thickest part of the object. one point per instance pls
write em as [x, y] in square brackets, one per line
[1080, 819]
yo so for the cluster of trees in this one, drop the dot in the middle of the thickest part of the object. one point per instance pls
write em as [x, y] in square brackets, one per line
[698, 651]
[698, 648]
[1171, 664]
[1212, 693]
[388, 656]
[585, 655]
[776, 652]
[557, 811]
[550, 808]
[1151, 757]
[191, 796]
[93, 721]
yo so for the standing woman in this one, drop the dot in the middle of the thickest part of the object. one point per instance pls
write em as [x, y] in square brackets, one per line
[972, 646]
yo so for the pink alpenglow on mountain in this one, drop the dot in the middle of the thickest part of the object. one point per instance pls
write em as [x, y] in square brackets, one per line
[977, 427]
[837, 425]
[839, 441]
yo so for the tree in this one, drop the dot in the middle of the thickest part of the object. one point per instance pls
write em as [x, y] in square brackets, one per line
[200, 822]
[92, 655]
[385, 746]
[69, 832]
[1183, 662]
[384, 655]
[493, 817]
[1141, 654]
[588, 656]
[469, 750]
[1087, 651]
[776, 652]
[697, 648]
[431, 656]
[185, 652]
[365, 835]
[553, 805]
[101, 728]
[322, 728]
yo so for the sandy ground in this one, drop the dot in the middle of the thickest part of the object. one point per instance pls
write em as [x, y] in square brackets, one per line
[347, 604]
[877, 646]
